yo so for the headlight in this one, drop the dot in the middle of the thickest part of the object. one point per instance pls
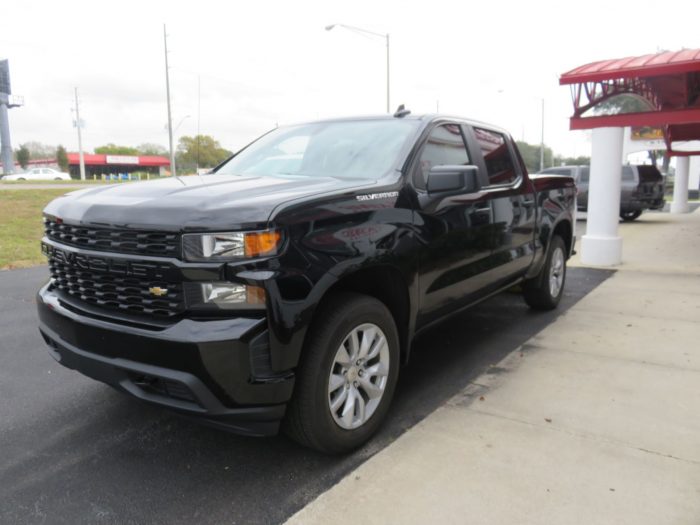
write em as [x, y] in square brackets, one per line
[215, 247]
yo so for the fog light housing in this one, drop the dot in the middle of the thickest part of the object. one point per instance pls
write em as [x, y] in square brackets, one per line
[225, 296]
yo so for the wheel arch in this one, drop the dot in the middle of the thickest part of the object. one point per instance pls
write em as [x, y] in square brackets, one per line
[564, 229]
[388, 285]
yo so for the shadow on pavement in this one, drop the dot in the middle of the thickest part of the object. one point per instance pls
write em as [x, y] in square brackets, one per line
[75, 451]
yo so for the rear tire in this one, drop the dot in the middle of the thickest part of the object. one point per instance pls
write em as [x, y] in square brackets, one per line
[544, 291]
[628, 216]
[335, 372]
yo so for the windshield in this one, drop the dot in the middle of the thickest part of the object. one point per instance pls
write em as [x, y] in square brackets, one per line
[345, 149]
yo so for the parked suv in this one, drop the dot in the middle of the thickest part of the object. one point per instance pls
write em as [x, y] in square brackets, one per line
[642, 188]
[288, 285]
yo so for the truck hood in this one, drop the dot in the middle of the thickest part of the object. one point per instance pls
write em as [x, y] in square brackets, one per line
[192, 203]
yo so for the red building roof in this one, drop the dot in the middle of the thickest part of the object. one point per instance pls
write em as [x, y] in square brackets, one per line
[118, 160]
[666, 63]
[669, 82]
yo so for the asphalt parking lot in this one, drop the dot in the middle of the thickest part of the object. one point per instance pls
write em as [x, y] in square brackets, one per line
[76, 451]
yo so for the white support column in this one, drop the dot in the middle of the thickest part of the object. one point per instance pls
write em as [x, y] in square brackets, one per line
[680, 186]
[602, 246]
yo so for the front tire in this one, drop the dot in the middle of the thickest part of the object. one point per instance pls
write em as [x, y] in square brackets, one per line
[347, 375]
[544, 291]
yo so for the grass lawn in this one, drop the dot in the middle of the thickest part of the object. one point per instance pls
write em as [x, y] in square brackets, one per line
[21, 226]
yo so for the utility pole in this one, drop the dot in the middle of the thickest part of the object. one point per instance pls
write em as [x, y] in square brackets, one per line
[388, 105]
[173, 171]
[199, 114]
[8, 165]
[79, 125]
[7, 101]
[542, 139]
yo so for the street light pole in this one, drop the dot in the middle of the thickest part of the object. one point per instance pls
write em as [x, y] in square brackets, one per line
[173, 170]
[79, 125]
[385, 36]
[541, 99]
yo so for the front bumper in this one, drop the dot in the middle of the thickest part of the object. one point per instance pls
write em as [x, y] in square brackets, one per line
[201, 368]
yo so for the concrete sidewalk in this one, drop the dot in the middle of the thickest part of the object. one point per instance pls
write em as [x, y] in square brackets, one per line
[595, 420]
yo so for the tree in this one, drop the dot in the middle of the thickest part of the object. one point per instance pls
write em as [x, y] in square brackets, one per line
[113, 149]
[148, 148]
[62, 158]
[37, 150]
[202, 150]
[621, 104]
[531, 156]
[631, 104]
[581, 160]
[22, 155]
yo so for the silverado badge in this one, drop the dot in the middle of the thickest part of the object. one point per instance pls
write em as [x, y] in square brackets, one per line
[158, 291]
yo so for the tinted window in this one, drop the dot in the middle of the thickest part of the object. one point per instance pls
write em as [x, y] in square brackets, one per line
[499, 163]
[342, 149]
[445, 146]
[649, 173]
[585, 174]
[627, 173]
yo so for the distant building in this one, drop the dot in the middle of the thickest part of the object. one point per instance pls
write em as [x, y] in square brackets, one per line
[97, 164]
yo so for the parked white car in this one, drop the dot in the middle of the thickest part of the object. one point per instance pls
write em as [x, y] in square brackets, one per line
[38, 174]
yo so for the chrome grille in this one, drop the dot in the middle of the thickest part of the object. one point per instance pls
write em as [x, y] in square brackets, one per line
[159, 244]
[124, 293]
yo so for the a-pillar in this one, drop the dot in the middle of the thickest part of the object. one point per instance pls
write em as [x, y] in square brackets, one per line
[680, 186]
[601, 245]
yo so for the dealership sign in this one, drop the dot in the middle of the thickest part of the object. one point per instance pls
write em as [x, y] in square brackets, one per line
[122, 159]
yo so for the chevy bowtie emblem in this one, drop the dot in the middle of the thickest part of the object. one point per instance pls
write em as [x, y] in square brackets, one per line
[158, 291]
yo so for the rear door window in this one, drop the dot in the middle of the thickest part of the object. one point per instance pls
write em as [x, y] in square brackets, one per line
[585, 174]
[499, 162]
[627, 174]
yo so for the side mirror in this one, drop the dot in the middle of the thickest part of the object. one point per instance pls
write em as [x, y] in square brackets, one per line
[453, 179]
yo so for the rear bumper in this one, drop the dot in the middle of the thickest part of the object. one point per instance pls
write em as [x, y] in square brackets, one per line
[201, 369]
[643, 204]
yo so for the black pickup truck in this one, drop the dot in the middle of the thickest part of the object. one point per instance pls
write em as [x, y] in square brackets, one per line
[286, 287]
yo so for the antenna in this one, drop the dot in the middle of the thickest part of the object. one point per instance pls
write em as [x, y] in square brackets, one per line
[402, 112]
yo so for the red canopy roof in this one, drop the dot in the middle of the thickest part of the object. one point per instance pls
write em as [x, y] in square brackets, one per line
[666, 63]
[118, 160]
[669, 82]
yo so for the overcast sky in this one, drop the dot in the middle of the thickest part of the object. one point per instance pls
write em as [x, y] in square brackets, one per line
[268, 62]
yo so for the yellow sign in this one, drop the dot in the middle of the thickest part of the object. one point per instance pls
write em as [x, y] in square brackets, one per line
[647, 133]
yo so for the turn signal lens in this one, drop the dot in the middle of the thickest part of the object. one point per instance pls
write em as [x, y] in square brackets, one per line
[255, 295]
[262, 243]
